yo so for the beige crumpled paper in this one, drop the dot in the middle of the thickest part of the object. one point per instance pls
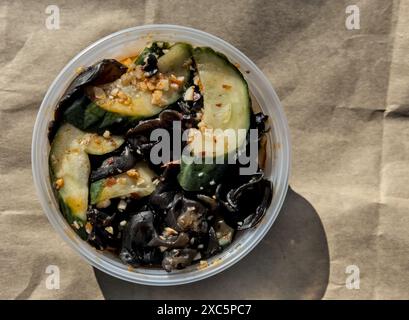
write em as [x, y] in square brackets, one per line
[346, 96]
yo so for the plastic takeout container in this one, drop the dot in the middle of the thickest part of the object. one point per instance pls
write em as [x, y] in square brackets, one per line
[126, 43]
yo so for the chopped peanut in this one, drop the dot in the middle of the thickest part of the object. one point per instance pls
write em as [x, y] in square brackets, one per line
[169, 232]
[79, 70]
[114, 92]
[122, 95]
[143, 86]
[163, 84]
[59, 183]
[177, 80]
[174, 86]
[202, 264]
[99, 93]
[157, 97]
[151, 86]
[88, 227]
[133, 173]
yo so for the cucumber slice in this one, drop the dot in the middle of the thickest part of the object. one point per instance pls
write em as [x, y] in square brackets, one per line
[227, 106]
[124, 184]
[141, 104]
[226, 96]
[155, 48]
[70, 168]
[98, 145]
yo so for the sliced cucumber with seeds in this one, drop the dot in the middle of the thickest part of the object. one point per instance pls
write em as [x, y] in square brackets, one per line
[226, 110]
[174, 62]
[137, 182]
[99, 145]
[70, 166]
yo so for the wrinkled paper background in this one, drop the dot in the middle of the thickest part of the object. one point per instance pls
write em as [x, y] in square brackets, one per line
[346, 96]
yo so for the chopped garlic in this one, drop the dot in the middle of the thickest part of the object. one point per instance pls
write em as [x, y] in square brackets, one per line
[106, 134]
[109, 230]
[122, 205]
[188, 96]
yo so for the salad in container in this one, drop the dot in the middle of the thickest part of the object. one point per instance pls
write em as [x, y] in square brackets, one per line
[164, 158]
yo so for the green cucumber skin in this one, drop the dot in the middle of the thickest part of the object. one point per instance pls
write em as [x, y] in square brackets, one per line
[222, 56]
[86, 115]
[154, 48]
[200, 177]
[66, 211]
[188, 177]
[141, 107]
[95, 190]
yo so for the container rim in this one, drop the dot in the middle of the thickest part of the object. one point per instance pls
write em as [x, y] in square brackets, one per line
[89, 254]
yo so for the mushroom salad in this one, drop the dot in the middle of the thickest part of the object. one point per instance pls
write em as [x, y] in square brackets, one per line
[115, 193]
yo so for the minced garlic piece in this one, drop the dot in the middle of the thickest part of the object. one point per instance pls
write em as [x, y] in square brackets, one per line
[202, 264]
[106, 134]
[188, 96]
[109, 230]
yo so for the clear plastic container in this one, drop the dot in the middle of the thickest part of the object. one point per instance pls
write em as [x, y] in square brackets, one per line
[129, 42]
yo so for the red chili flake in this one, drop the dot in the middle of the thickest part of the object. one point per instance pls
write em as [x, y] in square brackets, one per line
[110, 182]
